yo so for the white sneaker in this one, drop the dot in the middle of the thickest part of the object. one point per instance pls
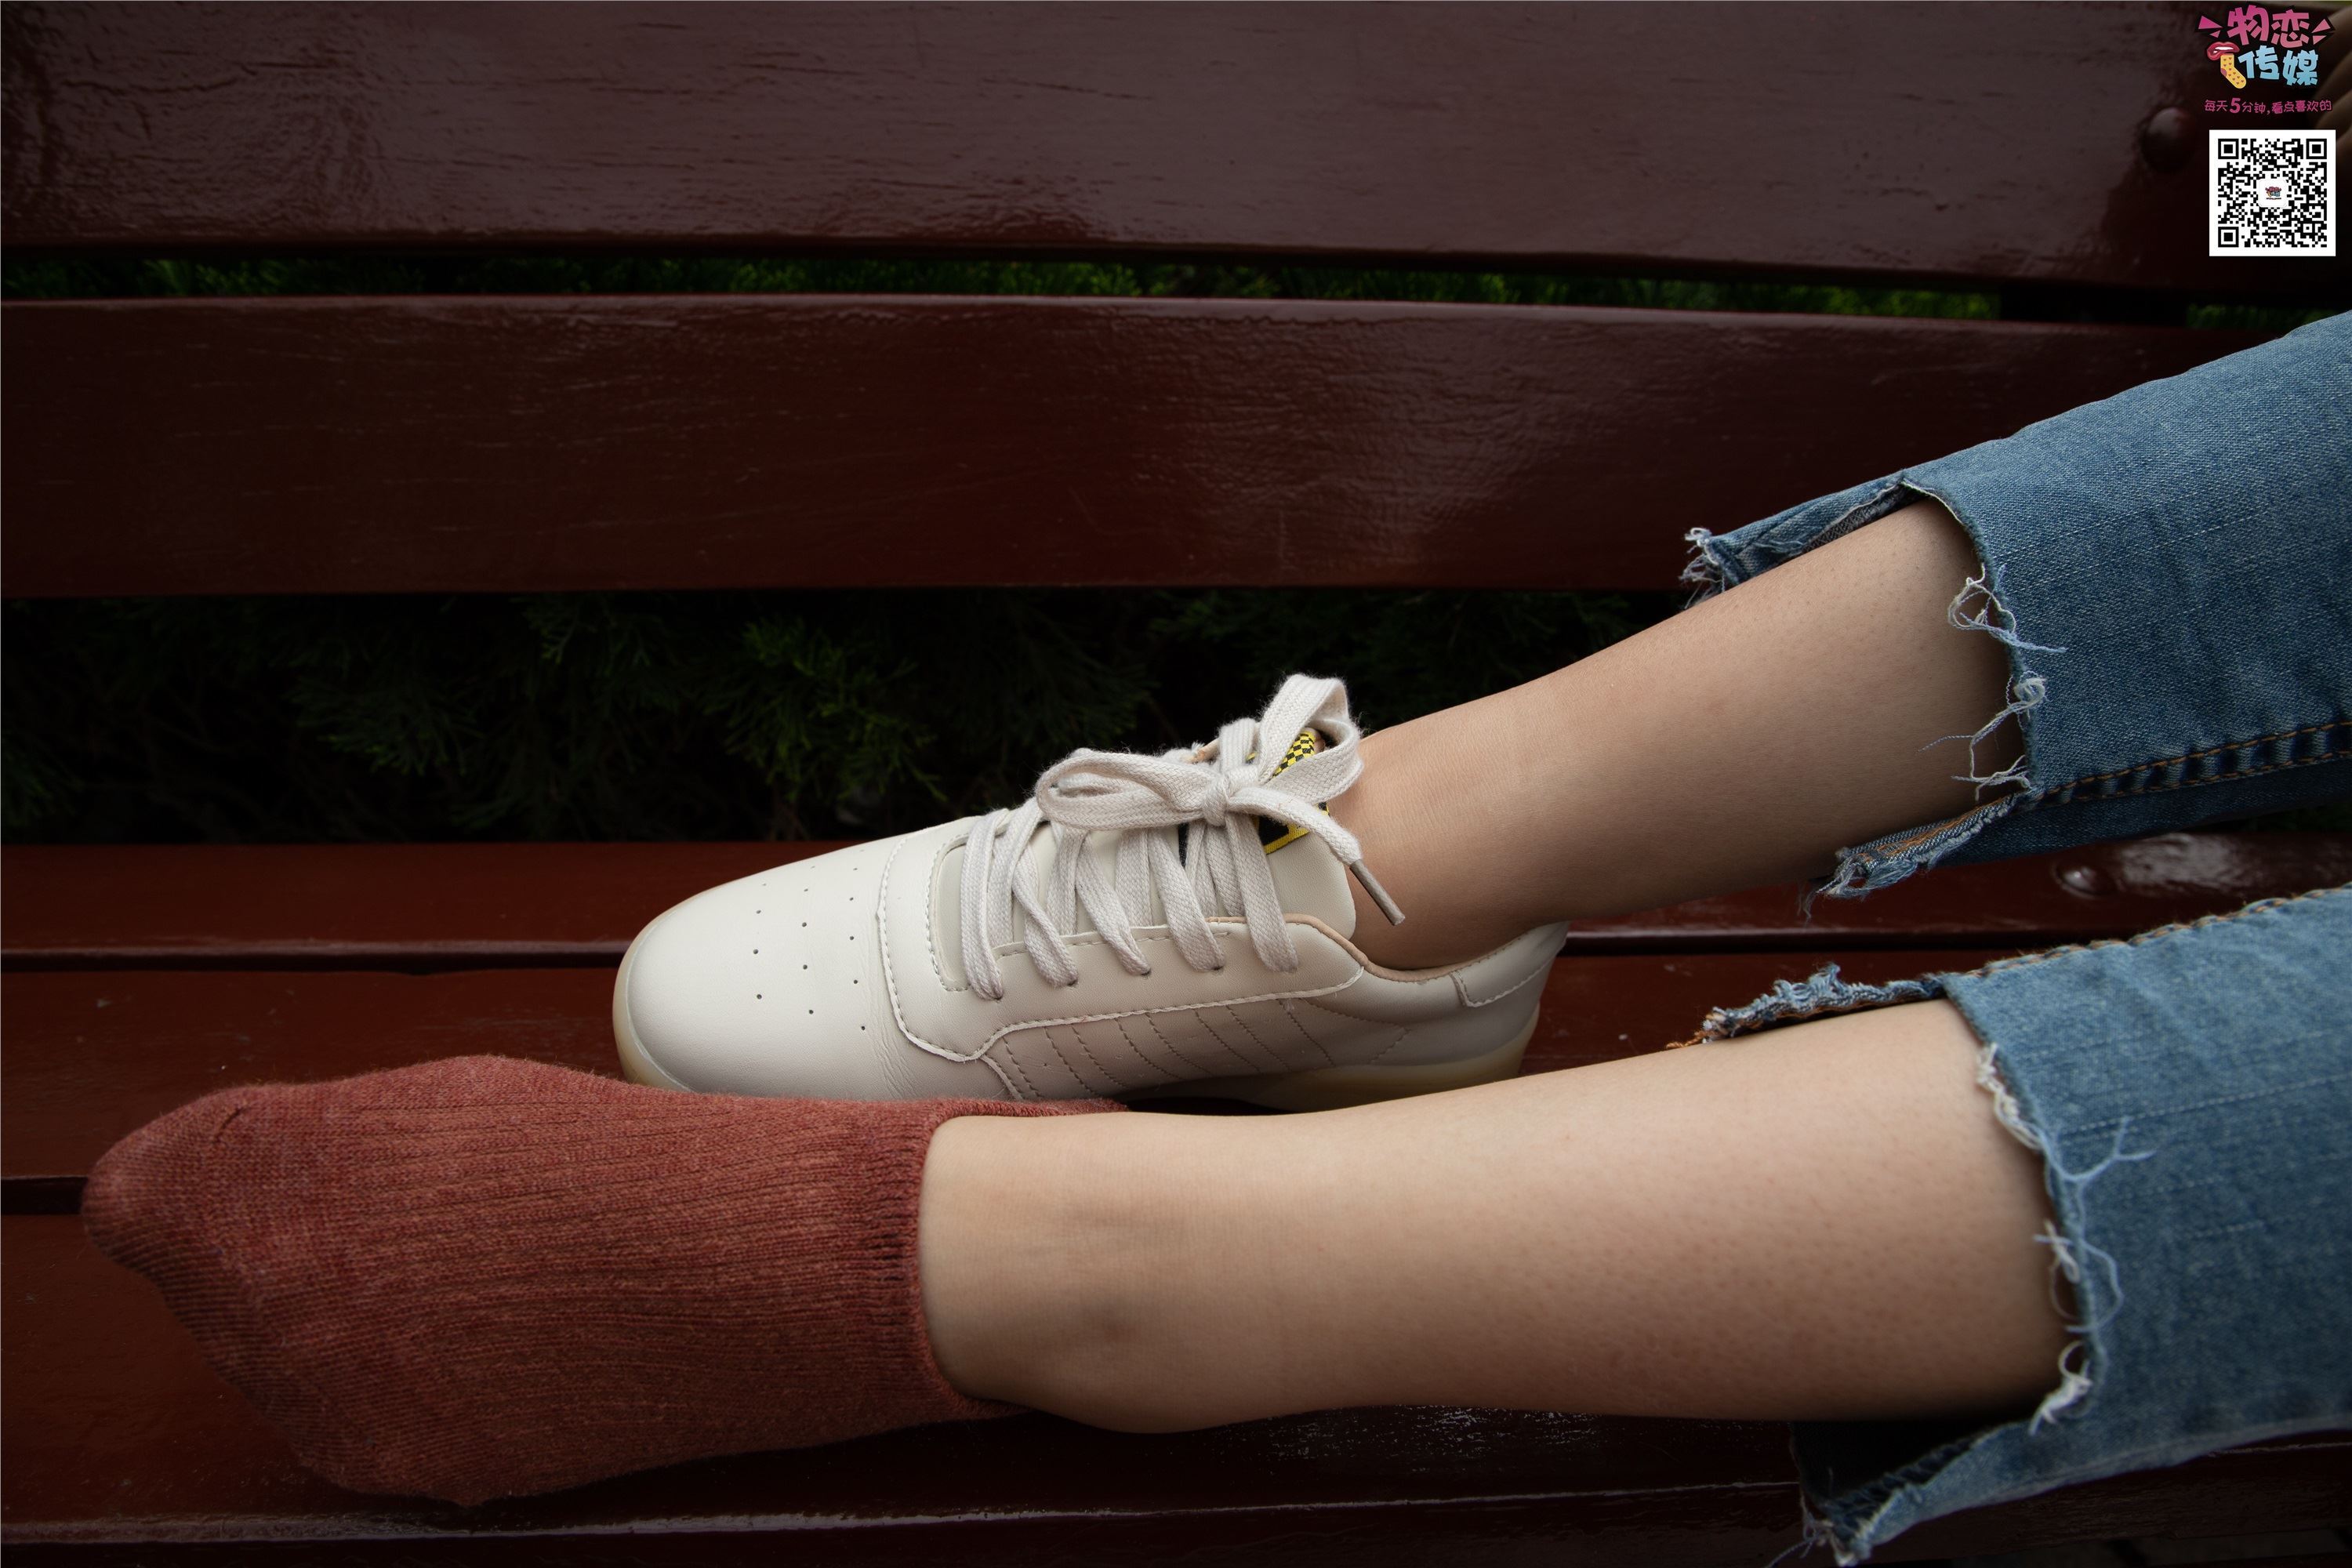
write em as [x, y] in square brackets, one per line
[1177, 924]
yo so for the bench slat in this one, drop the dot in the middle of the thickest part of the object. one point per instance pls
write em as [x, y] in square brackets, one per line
[93, 1054]
[407, 906]
[1712, 137]
[453, 906]
[510, 444]
[115, 1431]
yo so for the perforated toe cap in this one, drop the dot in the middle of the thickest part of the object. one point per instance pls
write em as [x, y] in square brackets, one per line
[774, 985]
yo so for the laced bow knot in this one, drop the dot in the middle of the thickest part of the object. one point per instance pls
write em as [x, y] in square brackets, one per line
[1144, 799]
[1213, 793]
[1093, 791]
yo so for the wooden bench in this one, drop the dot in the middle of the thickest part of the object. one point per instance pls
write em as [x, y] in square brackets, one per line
[527, 444]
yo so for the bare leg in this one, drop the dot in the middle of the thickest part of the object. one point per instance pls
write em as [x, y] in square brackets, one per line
[1823, 1221]
[1797, 707]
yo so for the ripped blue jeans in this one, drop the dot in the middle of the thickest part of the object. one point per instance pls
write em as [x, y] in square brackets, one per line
[2171, 572]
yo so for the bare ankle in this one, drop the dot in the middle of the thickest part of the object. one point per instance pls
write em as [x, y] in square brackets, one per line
[1024, 1245]
[1060, 1272]
[1423, 835]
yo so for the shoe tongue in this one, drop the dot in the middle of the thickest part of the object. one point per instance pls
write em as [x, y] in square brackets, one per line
[1306, 873]
[1307, 877]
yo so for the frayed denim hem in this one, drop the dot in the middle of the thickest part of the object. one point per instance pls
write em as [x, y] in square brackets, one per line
[1852, 1523]
[1820, 995]
[2182, 1089]
[1722, 561]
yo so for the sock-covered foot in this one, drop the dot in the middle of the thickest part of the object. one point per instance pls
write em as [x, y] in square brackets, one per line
[481, 1277]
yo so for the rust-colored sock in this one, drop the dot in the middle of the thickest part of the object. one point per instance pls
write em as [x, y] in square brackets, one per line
[482, 1277]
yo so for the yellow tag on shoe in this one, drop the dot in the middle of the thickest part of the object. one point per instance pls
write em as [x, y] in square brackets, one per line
[1274, 834]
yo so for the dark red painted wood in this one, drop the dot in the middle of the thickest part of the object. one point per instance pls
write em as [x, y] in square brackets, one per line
[518, 444]
[405, 906]
[115, 1432]
[93, 1054]
[440, 906]
[90, 1055]
[1903, 142]
[468, 446]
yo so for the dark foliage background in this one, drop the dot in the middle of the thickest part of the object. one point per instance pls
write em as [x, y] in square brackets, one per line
[657, 716]
[732, 715]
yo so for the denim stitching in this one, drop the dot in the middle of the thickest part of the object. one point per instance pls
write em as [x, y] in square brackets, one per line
[2260, 905]
[2187, 784]
[2251, 1094]
[1871, 1500]
[1712, 571]
[2183, 1444]
[2192, 756]
[2210, 751]
[2006, 803]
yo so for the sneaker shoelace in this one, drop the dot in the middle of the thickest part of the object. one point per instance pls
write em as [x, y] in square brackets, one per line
[1216, 793]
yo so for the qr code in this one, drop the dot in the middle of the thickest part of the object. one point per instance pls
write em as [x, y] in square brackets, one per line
[2273, 192]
